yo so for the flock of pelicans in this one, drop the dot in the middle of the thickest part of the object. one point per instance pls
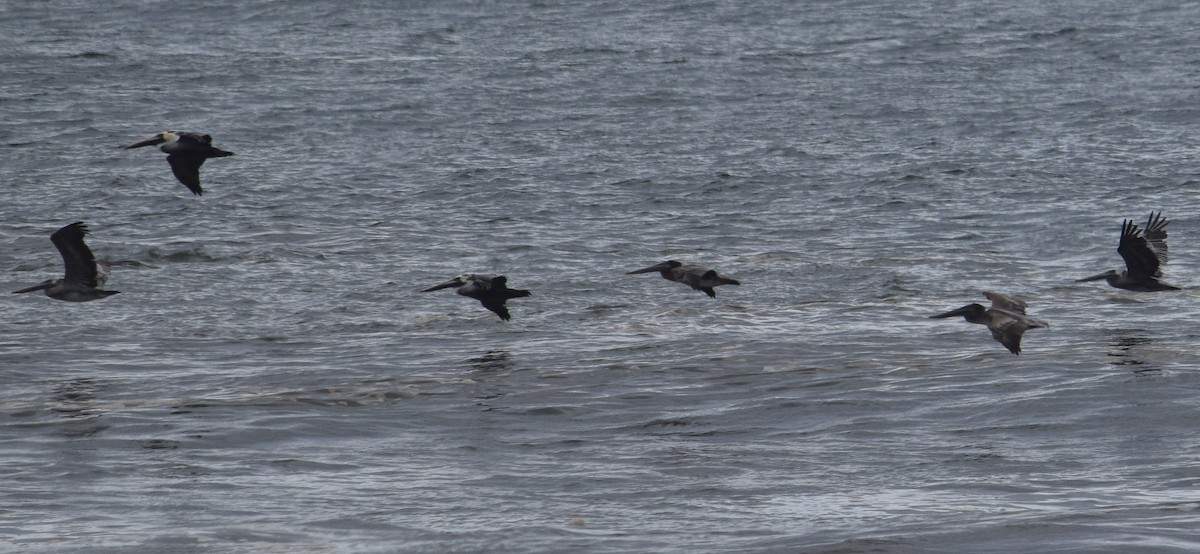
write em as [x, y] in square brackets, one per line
[1144, 252]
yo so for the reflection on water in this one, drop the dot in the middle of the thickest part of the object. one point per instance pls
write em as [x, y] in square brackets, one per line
[75, 398]
[1126, 351]
[492, 360]
[491, 363]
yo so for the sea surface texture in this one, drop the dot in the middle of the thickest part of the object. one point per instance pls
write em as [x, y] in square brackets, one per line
[271, 378]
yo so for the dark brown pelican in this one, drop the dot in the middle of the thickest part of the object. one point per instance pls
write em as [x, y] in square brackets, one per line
[84, 275]
[186, 152]
[1144, 254]
[1006, 319]
[692, 275]
[490, 291]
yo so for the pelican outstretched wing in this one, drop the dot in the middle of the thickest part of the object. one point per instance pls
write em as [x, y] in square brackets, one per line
[186, 168]
[1007, 320]
[1008, 331]
[77, 257]
[1156, 238]
[698, 277]
[1006, 303]
[497, 307]
[1144, 253]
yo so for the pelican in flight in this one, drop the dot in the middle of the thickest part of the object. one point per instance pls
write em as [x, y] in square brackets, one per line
[490, 291]
[696, 276]
[84, 275]
[1144, 254]
[186, 152]
[1006, 319]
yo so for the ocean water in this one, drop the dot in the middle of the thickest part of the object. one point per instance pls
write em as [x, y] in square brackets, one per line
[272, 380]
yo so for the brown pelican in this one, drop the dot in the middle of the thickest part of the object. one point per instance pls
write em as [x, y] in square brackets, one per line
[1144, 254]
[692, 275]
[84, 275]
[1006, 319]
[490, 291]
[186, 152]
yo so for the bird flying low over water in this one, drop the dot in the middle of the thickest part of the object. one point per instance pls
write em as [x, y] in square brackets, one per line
[692, 275]
[490, 291]
[84, 275]
[186, 152]
[1144, 254]
[1006, 319]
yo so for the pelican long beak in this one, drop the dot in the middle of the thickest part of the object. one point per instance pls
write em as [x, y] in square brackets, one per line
[656, 268]
[960, 311]
[451, 283]
[156, 139]
[39, 286]
[1095, 277]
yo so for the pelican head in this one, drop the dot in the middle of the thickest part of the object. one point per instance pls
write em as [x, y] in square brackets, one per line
[40, 286]
[658, 268]
[970, 312]
[1107, 275]
[165, 137]
[455, 282]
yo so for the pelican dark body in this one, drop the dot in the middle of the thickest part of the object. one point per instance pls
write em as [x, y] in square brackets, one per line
[1144, 252]
[696, 276]
[186, 152]
[1006, 319]
[84, 275]
[492, 292]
